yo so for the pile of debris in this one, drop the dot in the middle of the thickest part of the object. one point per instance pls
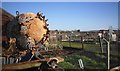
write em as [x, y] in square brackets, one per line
[24, 34]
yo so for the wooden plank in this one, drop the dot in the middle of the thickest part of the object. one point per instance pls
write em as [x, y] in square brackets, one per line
[29, 64]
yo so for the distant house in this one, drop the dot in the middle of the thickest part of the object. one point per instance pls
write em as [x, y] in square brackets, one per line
[114, 37]
[53, 37]
[89, 34]
[65, 37]
[107, 35]
[76, 36]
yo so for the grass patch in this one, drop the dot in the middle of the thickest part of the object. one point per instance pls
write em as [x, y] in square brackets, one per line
[88, 62]
[94, 47]
[72, 62]
[66, 65]
[87, 47]
[73, 44]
